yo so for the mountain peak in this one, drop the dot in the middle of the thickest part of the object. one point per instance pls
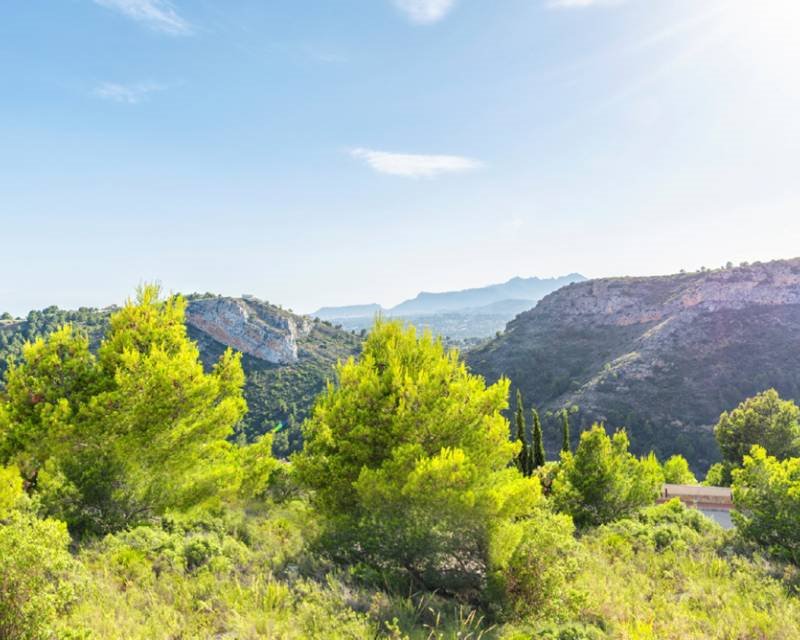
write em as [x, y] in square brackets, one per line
[466, 314]
[517, 288]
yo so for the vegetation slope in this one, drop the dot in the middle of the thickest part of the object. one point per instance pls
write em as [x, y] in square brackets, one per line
[127, 511]
[663, 356]
[279, 395]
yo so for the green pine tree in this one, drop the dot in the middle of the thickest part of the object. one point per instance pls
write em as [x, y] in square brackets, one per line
[565, 441]
[537, 457]
[519, 418]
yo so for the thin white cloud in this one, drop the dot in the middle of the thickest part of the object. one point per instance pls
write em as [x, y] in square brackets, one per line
[425, 11]
[412, 165]
[580, 4]
[126, 93]
[158, 15]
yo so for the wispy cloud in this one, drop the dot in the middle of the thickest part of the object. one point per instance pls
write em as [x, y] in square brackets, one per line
[425, 11]
[158, 15]
[412, 165]
[579, 4]
[127, 93]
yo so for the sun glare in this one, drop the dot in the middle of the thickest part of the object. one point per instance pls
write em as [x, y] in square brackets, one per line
[762, 38]
[770, 27]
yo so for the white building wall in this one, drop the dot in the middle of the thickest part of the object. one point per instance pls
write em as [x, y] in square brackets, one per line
[720, 516]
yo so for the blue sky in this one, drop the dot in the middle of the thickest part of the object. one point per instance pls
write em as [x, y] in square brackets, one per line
[321, 152]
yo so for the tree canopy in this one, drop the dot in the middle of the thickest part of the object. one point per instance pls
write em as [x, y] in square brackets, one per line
[406, 516]
[410, 460]
[110, 440]
[602, 481]
[676, 471]
[766, 492]
[765, 420]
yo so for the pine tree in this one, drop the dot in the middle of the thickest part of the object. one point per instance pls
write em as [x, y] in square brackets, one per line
[519, 418]
[537, 457]
[565, 441]
[423, 487]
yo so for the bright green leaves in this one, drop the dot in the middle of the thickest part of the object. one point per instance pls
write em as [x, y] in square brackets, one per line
[143, 324]
[36, 571]
[766, 492]
[140, 430]
[403, 390]
[533, 566]
[408, 455]
[45, 393]
[256, 465]
[676, 471]
[765, 420]
[11, 493]
[602, 481]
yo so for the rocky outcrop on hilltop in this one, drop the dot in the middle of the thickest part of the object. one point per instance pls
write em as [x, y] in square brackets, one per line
[663, 356]
[287, 358]
[271, 336]
[627, 301]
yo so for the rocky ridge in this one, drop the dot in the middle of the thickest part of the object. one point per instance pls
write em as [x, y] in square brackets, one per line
[243, 326]
[663, 356]
[627, 301]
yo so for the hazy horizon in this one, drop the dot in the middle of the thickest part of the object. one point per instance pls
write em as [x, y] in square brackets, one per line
[314, 156]
[129, 293]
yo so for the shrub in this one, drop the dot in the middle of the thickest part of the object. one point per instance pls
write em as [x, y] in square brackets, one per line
[533, 569]
[666, 526]
[602, 481]
[765, 420]
[676, 471]
[36, 576]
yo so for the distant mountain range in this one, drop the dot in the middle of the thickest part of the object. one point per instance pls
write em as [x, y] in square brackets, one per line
[662, 356]
[471, 313]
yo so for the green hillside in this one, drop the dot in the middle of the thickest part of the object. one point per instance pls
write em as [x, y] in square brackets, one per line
[663, 356]
[279, 395]
[129, 510]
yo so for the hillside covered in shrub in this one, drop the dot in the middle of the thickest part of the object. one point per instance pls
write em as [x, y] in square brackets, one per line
[280, 385]
[662, 356]
[128, 510]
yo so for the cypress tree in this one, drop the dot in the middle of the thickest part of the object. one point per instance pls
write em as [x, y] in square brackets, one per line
[565, 443]
[529, 466]
[522, 458]
[537, 457]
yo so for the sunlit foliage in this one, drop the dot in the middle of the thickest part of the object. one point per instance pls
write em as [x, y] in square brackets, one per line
[676, 471]
[602, 481]
[766, 492]
[110, 441]
[411, 464]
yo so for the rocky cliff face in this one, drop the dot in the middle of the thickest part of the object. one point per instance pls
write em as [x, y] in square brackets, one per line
[249, 328]
[287, 359]
[663, 356]
[627, 301]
